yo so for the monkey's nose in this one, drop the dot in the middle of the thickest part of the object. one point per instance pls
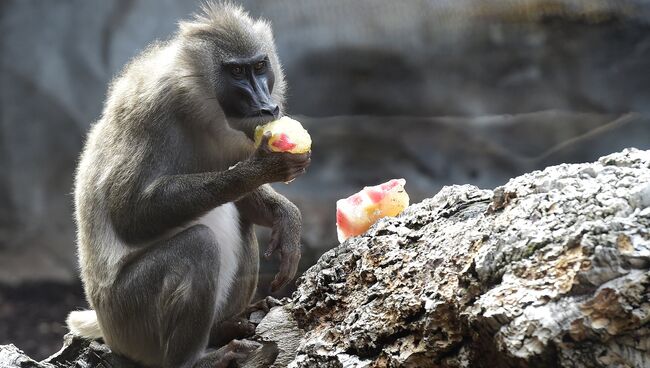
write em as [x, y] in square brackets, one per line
[273, 110]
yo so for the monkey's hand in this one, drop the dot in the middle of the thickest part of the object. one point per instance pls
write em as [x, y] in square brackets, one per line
[278, 166]
[285, 238]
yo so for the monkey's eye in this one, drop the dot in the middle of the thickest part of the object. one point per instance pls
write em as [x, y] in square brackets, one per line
[236, 70]
[260, 66]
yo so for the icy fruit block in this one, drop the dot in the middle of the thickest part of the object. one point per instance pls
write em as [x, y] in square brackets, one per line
[355, 214]
[287, 135]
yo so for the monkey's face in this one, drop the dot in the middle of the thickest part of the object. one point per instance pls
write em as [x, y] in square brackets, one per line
[244, 92]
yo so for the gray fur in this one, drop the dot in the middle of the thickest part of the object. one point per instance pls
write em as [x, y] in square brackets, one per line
[159, 159]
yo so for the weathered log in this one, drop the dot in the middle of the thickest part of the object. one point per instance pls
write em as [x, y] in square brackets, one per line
[549, 270]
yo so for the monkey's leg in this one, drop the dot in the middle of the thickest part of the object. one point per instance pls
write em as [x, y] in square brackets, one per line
[163, 302]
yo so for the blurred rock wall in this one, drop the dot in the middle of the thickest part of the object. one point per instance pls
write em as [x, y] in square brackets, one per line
[438, 92]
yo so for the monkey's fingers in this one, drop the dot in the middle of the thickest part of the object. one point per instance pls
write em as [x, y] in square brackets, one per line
[242, 346]
[266, 137]
[288, 268]
[264, 143]
[300, 167]
[236, 350]
[294, 173]
[304, 164]
[298, 158]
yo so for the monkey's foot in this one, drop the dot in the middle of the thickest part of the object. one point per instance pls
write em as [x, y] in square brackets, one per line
[235, 351]
[264, 305]
[231, 329]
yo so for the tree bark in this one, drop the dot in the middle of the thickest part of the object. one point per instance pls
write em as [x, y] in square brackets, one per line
[548, 270]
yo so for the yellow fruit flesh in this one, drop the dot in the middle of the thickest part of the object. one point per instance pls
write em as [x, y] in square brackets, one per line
[287, 135]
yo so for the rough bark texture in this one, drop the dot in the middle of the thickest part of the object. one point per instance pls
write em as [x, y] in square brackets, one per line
[548, 270]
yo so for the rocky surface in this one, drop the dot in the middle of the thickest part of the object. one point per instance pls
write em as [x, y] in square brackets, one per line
[549, 270]
[75, 352]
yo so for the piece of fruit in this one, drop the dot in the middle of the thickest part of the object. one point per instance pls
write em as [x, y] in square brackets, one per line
[287, 135]
[355, 214]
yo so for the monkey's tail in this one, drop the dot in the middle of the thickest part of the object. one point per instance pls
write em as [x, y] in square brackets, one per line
[84, 324]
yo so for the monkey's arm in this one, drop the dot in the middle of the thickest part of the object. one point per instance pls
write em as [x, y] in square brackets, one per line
[266, 207]
[170, 201]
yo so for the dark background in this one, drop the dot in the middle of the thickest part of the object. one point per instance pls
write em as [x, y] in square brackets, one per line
[438, 92]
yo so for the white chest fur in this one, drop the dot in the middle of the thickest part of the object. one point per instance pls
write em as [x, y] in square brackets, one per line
[224, 223]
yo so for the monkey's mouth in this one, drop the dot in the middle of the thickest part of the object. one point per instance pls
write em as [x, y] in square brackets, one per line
[248, 124]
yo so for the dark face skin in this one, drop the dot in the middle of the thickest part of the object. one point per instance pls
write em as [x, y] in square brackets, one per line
[245, 92]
